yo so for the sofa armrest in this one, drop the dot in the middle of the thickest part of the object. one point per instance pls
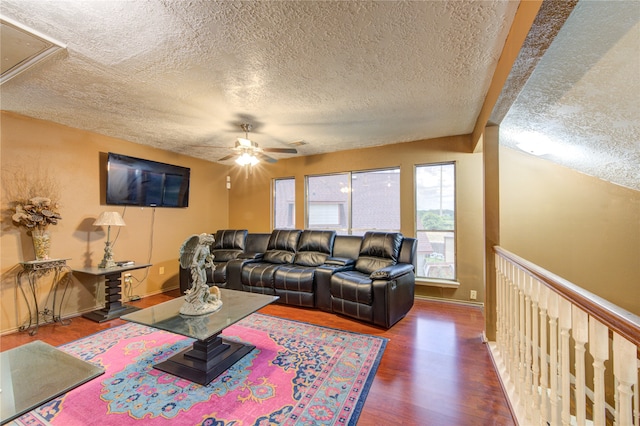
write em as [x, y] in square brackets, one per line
[393, 299]
[234, 272]
[391, 272]
[323, 283]
[339, 261]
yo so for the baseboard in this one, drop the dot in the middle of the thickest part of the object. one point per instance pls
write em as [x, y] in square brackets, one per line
[68, 316]
[505, 383]
[84, 311]
[454, 301]
[164, 290]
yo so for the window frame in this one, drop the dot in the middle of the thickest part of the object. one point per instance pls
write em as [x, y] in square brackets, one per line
[348, 206]
[420, 274]
[274, 204]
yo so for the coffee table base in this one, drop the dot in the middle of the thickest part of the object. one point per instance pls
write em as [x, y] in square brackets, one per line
[206, 360]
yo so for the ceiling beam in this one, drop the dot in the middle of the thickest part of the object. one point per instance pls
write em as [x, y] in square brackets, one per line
[522, 23]
[548, 23]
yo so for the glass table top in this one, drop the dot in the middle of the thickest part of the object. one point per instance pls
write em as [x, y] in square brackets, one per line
[235, 306]
[35, 373]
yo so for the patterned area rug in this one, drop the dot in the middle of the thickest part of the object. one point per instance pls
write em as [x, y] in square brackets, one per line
[298, 374]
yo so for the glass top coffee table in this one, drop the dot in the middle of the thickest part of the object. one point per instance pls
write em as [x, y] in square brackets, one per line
[35, 373]
[210, 355]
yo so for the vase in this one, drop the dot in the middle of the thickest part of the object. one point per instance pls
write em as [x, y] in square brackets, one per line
[41, 244]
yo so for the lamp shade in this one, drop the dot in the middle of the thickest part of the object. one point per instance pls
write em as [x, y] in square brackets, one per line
[109, 218]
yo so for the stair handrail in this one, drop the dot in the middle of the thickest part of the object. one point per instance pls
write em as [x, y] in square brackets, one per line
[623, 322]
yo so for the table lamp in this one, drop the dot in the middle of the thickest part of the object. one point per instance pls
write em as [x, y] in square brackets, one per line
[109, 219]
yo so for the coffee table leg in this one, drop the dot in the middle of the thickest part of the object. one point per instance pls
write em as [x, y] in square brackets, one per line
[206, 360]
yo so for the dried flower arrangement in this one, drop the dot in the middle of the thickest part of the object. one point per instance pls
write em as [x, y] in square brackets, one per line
[33, 194]
[37, 214]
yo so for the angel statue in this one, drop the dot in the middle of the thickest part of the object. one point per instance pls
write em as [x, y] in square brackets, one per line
[196, 255]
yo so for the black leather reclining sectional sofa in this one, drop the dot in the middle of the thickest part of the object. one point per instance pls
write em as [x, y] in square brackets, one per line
[369, 278]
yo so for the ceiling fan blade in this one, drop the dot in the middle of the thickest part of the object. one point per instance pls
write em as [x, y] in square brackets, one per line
[281, 150]
[266, 158]
[228, 157]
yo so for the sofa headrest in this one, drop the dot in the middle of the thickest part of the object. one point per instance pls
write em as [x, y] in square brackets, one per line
[378, 250]
[230, 239]
[314, 247]
[347, 246]
[282, 246]
[284, 239]
[381, 244]
[320, 241]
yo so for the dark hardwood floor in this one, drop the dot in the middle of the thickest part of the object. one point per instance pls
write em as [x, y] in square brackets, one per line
[434, 371]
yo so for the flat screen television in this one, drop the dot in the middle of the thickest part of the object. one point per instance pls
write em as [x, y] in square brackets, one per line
[136, 182]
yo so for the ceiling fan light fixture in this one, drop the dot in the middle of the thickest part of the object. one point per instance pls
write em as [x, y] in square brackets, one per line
[246, 159]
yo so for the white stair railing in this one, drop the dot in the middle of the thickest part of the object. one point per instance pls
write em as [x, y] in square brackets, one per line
[565, 356]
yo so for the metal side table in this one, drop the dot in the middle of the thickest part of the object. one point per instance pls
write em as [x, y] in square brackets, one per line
[34, 270]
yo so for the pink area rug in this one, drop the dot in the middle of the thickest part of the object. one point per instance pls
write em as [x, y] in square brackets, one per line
[298, 374]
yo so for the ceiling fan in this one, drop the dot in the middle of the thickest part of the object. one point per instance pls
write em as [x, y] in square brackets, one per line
[247, 152]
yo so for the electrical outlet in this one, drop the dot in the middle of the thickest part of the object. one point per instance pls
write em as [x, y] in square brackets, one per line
[161, 270]
[473, 295]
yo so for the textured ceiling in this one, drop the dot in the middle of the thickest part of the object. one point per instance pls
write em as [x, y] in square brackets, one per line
[582, 103]
[338, 75]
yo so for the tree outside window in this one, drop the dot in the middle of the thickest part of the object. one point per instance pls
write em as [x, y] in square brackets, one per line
[436, 221]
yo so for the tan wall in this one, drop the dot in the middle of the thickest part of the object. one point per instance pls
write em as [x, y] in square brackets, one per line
[581, 228]
[250, 196]
[71, 157]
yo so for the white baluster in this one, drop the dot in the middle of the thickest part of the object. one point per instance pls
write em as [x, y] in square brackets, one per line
[513, 331]
[625, 371]
[553, 305]
[499, 303]
[521, 338]
[509, 329]
[535, 347]
[636, 399]
[580, 333]
[599, 349]
[542, 355]
[565, 358]
[527, 286]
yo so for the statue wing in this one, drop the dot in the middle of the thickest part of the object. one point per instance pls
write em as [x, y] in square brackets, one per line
[188, 250]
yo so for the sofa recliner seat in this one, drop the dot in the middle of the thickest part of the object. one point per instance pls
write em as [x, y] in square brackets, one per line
[228, 245]
[375, 288]
[295, 283]
[258, 275]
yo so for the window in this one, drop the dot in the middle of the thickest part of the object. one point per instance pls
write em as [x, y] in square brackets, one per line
[354, 202]
[436, 221]
[284, 203]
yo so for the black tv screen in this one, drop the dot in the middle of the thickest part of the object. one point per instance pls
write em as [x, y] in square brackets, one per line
[136, 182]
